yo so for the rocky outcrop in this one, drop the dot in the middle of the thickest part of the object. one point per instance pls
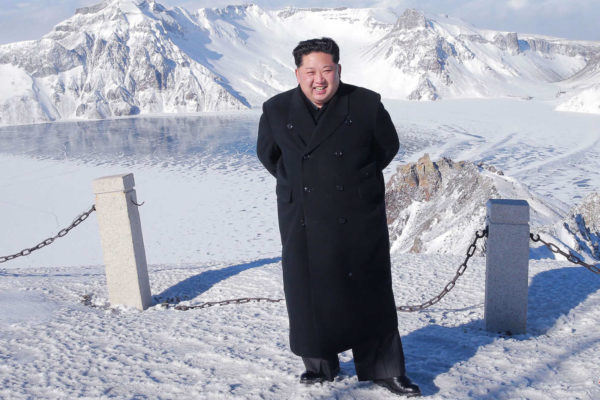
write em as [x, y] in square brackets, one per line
[436, 206]
[583, 225]
[508, 41]
[411, 19]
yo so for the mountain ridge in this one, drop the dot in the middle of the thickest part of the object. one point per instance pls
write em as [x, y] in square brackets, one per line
[127, 57]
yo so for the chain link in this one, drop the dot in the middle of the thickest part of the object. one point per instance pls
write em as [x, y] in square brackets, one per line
[181, 307]
[450, 285]
[572, 257]
[25, 252]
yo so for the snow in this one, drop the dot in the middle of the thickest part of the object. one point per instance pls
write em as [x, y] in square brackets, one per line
[585, 101]
[241, 351]
[128, 57]
[210, 230]
[18, 85]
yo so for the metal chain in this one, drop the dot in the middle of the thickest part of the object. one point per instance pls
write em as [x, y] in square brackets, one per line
[181, 307]
[570, 256]
[61, 233]
[461, 270]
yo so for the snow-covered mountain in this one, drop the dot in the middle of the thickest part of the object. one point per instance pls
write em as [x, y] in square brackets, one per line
[436, 207]
[127, 57]
[115, 58]
[582, 90]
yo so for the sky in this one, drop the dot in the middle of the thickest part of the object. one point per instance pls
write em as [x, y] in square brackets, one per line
[571, 19]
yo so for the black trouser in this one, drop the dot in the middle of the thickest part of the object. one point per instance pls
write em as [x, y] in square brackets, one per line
[376, 359]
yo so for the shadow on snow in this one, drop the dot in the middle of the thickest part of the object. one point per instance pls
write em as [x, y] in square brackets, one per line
[194, 286]
[433, 350]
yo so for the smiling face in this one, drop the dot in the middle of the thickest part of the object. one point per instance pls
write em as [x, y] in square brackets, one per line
[318, 77]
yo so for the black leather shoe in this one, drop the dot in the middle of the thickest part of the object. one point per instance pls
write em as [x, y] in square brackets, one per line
[400, 385]
[309, 378]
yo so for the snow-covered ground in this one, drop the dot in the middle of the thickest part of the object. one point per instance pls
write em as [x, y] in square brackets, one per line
[53, 346]
[210, 231]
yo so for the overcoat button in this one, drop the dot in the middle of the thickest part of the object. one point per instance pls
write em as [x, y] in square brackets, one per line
[306, 157]
[342, 220]
[348, 121]
[302, 223]
[290, 125]
[338, 153]
[339, 187]
[307, 189]
[350, 274]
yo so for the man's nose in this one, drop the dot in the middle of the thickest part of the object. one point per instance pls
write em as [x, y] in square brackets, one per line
[319, 77]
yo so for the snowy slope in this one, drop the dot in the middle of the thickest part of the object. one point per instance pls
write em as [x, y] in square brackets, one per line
[582, 91]
[127, 57]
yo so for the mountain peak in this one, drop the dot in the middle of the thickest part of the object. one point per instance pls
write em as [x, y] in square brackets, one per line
[93, 8]
[411, 19]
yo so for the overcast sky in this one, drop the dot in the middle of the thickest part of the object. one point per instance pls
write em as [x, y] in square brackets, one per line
[572, 19]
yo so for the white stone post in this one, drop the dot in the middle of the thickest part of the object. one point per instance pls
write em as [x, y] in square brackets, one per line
[122, 241]
[507, 266]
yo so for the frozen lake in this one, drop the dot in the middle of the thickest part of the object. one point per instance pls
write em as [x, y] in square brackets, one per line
[163, 141]
[205, 190]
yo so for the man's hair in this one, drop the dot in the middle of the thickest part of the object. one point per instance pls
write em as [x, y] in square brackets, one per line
[323, 45]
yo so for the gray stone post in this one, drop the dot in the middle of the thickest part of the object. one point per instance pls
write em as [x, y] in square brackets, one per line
[122, 241]
[507, 266]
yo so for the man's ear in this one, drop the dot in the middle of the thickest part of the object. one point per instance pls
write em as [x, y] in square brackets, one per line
[340, 70]
[297, 75]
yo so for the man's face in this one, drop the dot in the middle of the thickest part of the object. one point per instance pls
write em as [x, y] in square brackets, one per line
[319, 77]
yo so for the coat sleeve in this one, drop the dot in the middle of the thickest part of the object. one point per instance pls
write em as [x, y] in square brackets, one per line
[266, 149]
[386, 138]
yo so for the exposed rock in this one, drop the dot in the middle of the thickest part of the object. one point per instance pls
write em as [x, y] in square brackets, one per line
[436, 206]
[425, 91]
[583, 223]
[411, 19]
[508, 41]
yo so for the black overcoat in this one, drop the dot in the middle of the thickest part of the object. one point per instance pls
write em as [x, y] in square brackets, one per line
[331, 208]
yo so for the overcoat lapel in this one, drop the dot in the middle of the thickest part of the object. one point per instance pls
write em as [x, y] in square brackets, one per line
[299, 119]
[335, 115]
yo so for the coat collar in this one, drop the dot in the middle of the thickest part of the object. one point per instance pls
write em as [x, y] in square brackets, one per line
[300, 119]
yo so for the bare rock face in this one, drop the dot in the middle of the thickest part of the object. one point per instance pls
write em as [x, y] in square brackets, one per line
[436, 207]
[411, 19]
[508, 41]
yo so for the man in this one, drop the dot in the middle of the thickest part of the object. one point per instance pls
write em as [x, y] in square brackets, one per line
[327, 142]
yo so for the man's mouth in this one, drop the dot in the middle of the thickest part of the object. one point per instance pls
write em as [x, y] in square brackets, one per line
[320, 88]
